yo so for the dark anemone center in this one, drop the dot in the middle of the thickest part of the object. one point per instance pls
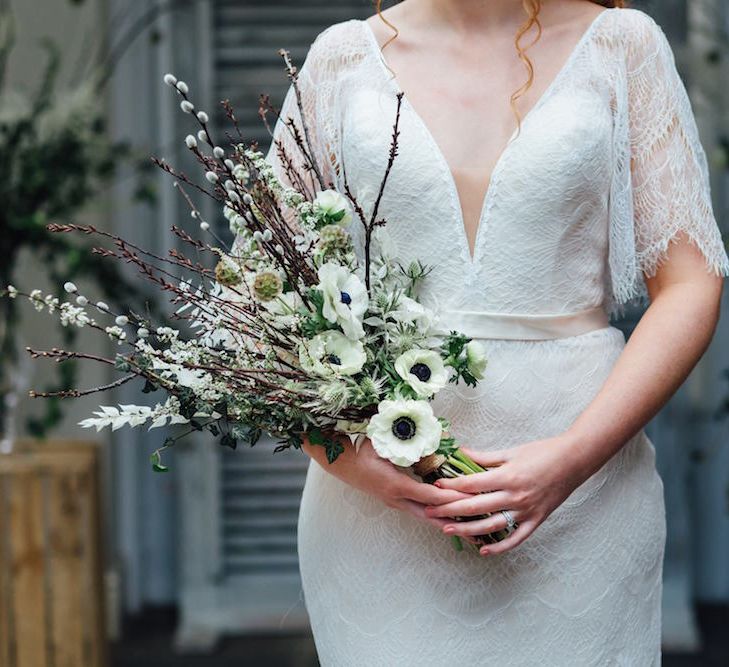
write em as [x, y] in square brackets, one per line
[334, 360]
[403, 428]
[421, 371]
[346, 299]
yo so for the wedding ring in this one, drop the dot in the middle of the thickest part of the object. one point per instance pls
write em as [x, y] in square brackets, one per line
[510, 523]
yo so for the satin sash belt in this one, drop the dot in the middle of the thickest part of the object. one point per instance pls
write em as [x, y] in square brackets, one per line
[481, 324]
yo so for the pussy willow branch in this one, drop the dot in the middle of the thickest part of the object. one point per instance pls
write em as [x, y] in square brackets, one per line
[78, 393]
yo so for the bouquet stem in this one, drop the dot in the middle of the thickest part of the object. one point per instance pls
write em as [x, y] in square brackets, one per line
[456, 464]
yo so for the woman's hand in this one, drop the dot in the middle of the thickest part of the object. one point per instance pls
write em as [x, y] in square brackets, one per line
[530, 480]
[368, 472]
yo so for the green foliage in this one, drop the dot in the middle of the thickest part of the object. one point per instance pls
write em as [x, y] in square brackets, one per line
[314, 322]
[452, 350]
[333, 447]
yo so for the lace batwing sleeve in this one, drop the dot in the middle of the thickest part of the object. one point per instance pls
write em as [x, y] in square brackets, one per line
[662, 185]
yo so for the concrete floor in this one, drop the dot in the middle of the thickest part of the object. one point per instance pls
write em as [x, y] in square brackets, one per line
[148, 639]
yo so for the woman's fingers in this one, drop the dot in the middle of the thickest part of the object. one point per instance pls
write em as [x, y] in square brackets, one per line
[523, 530]
[479, 526]
[482, 503]
[427, 494]
[477, 482]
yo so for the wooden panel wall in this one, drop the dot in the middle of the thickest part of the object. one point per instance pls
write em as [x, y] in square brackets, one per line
[51, 602]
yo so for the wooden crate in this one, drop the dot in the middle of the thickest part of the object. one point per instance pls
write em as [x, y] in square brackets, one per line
[51, 597]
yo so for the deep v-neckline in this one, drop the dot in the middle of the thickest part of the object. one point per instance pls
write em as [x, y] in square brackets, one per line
[471, 258]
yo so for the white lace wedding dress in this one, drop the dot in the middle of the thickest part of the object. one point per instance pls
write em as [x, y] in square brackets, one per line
[566, 226]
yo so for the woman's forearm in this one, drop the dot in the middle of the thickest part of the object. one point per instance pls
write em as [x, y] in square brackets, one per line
[668, 341]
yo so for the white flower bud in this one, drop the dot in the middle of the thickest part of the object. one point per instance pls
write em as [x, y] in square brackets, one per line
[186, 106]
[190, 141]
[102, 306]
[182, 87]
[82, 300]
[279, 249]
[70, 287]
[211, 176]
[218, 152]
[204, 226]
[142, 332]
[257, 236]
[193, 214]
[170, 79]
[122, 320]
[229, 185]
[230, 164]
[267, 235]
[202, 117]
[202, 136]
[247, 199]
[233, 196]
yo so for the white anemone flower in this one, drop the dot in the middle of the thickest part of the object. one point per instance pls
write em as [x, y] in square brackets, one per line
[476, 359]
[423, 370]
[409, 311]
[345, 298]
[331, 353]
[334, 205]
[403, 431]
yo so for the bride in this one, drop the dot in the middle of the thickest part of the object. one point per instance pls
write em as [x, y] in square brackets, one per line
[550, 172]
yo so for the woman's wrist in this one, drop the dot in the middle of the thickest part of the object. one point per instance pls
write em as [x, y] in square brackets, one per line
[586, 450]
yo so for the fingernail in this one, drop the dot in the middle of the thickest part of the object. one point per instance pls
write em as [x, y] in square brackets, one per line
[438, 484]
[449, 529]
[484, 551]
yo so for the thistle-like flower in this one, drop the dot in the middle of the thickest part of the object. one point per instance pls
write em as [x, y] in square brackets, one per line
[333, 238]
[267, 285]
[227, 273]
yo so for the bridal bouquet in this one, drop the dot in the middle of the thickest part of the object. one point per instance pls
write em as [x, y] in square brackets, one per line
[290, 330]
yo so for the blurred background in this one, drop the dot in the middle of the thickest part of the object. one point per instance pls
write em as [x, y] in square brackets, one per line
[104, 562]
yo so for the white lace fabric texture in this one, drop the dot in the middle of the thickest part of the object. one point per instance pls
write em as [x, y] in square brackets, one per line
[607, 171]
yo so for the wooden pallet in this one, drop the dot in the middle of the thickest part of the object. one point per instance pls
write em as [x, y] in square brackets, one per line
[51, 598]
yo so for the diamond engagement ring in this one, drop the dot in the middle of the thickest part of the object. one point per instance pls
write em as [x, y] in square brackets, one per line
[510, 523]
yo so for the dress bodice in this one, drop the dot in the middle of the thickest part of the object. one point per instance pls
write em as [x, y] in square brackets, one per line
[606, 170]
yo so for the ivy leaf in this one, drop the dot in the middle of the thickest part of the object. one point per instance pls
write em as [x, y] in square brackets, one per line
[333, 447]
